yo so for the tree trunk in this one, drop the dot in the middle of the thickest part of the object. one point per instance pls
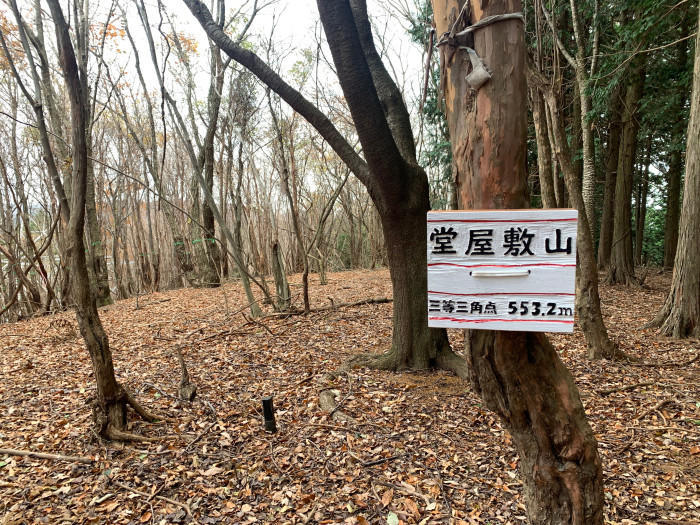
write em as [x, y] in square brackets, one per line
[675, 165]
[414, 345]
[519, 375]
[213, 265]
[389, 170]
[587, 295]
[559, 185]
[612, 155]
[588, 148]
[673, 208]
[621, 268]
[680, 315]
[544, 150]
[109, 408]
[640, 209]
[96, 250]
[283, 299]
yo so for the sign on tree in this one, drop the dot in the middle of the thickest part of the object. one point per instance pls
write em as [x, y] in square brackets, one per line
[502, 269]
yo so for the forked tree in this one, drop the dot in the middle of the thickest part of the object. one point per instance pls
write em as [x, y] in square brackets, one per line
[389, 170]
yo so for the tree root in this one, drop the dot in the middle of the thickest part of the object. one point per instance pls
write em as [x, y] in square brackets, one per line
[140, 410]
[148, 497]
[669, 322]
[383, 361]
[446, 359]
[613, 353]
[326, 400]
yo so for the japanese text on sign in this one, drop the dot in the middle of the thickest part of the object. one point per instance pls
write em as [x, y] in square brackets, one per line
[502, 269]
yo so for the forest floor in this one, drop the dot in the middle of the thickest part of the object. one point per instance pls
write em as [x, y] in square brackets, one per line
[420, 447]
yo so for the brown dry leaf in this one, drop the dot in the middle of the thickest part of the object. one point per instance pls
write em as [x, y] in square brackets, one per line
[412, 507]
[213, 471]
[145, 517]
[387, 497]
[445, 448]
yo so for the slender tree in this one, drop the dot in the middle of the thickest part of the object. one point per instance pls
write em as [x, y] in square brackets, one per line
[675, 165]
[109, 408]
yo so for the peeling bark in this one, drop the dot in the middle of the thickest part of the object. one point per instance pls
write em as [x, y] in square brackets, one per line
[518, 375]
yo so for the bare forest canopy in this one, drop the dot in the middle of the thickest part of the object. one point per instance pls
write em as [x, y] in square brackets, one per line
[149, 225]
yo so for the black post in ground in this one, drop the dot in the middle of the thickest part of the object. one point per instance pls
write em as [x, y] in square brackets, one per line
[269, 414]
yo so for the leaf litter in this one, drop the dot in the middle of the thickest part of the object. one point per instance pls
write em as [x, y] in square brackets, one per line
[417, 447]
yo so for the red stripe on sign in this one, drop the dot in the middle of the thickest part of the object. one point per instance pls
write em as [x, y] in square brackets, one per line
[501, 220]
[498, 265]
[501, 293]
[499, 320]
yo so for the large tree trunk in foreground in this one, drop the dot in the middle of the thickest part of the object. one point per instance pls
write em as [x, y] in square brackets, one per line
[109, 408]
[680, 315]
[519, 375]
[413, 344]
[400, 191]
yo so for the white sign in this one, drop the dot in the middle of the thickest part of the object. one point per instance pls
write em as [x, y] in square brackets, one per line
[502, 269]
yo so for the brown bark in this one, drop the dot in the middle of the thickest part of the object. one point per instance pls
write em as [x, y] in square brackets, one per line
[544, 151]
[519, 375]
[640, 209]
[675, 165]
[621, 268]
[680, 315]
[109, 409]
[283, 297]
[96, 255]
[673, 207]
[612, 155]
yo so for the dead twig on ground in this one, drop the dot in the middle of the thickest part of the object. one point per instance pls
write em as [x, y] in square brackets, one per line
[199, 436]
[183, 506]
[375, 461]
[371, 300]
[657, 406]
[254, 321]
[625, 388]
[42, 455]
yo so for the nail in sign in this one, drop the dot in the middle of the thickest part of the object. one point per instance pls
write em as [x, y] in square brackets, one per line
[502, 269]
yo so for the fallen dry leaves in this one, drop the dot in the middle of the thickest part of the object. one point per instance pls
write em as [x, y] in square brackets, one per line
[419, 448]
